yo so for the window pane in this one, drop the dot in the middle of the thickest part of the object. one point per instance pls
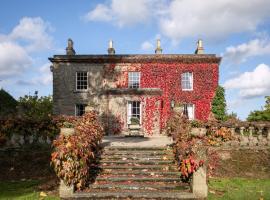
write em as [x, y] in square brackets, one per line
[81, 80]
[134, 79]
[187, 81]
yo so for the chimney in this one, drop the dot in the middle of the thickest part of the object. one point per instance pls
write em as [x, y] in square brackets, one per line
[200, 49]
[158, 49]
[69, 50]
[111, 50]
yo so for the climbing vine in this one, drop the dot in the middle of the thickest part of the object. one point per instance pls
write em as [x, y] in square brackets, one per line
[166, 76]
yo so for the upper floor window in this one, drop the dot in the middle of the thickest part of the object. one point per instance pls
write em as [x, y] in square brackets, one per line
[134, 79]
[187, 81]
[79, 109]
[81, 81]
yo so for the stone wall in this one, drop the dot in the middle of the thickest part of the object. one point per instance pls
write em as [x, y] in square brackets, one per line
[17, 141]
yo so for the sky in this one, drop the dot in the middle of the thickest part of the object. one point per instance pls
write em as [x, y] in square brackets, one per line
[239, 31]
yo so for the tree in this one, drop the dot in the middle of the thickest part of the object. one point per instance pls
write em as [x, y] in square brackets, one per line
[261, 115]
[35, 107]
[219, 104]
[7, 103]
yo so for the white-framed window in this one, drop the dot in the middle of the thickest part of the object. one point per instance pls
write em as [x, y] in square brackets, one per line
[187, 81]
[134, 79]
[81, 80]
[134, 110]
[189, 110]
[79, 109]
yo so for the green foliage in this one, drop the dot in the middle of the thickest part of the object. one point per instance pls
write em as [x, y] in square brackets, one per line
[35, 107]
[7, 103]
[261, 115]
[74, 155]
[134, 120]
[219, 104]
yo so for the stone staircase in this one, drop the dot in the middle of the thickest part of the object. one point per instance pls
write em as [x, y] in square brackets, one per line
[137, 173]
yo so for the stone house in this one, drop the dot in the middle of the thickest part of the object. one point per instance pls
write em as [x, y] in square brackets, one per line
[143, 86]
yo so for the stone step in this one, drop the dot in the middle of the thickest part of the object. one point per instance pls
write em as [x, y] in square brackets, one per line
[139, 179]
[140, 158]
[138, 194]
[140, 172]
[138, 154]
[136, 162]
[172, 186]
[137, 149]
[133, 167]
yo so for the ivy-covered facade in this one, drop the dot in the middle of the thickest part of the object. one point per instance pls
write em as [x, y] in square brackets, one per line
[146, 87]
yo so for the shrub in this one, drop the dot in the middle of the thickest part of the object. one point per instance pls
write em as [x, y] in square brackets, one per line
[134, 120]
[261, 115]
[186, 148]
[35, 107]
[28, 126]
[219, 104]
[75, 154]
[7, 103]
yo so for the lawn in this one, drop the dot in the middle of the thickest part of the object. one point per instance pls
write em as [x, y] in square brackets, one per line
[22, 190]
[239, 188]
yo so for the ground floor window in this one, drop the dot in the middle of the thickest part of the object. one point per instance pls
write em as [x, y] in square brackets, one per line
[189, 111]
[134, 110]
[79, 109]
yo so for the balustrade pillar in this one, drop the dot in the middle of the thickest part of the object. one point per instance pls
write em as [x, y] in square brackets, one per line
[242, 131]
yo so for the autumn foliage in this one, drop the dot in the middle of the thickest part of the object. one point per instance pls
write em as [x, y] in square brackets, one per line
[186, 148]
[75, 154]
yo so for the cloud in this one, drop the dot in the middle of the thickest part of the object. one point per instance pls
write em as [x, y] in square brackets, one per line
[213, 20]
[252, 84]
[46, 74]
[123, 12]
[13, 59]
[100, 13]
[43, 77]
[178, 19]
[35, 32]
[240, 53]
[30, 35]
[147, 46]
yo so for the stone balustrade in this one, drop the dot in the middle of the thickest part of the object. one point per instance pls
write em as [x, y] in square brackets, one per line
[244, 133]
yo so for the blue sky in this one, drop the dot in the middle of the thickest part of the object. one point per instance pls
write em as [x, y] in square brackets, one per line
[239, 31]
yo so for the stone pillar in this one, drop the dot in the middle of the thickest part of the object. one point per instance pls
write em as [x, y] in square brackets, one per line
[232, 131]
[199, 184]
[260, 136]
[65, 191]
[67, 131]
[251, 130]
[268, 134]
[242, 130]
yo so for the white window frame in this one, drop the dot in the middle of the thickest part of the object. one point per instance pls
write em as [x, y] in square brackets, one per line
[193, 110]
[186, 77]
[87, 79]
[76, 109]
[133, 79]
[129, 111]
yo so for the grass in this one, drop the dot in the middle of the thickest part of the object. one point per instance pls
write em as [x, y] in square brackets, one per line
[239, 188]
[22, 190]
